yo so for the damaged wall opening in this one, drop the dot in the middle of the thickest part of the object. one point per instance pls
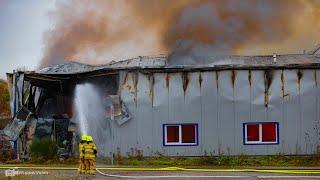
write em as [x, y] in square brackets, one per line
[47, 111]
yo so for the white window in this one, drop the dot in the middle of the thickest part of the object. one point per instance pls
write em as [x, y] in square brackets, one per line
[180, 134]
[261, 133]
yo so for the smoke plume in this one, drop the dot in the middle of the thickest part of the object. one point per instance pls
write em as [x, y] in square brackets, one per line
[97, 31]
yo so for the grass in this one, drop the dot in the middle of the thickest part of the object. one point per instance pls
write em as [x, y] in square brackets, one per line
[43, 149]
[71, 162]
[135, 158]
[222, 161]
[241, 161]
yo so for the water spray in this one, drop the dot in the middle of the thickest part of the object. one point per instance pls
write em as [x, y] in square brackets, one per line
[90, 115]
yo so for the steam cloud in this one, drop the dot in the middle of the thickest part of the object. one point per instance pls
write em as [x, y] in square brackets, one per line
[97, 31]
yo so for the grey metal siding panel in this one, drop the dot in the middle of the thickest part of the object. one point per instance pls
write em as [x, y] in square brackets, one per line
[192, 108]
[317, 122]
[210, 105]
[308, 111]
[126, 135]
[274, 107]
[226, 114]
[176, 108]
[258, 111]
[291, 125]
[144, 115]
[160, 110]
[220, 102]
[242, 108]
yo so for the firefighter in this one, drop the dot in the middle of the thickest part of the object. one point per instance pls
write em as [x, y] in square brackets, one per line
[90, 155]
[81, 153]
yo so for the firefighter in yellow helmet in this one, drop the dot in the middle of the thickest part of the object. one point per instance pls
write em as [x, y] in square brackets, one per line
[90, 152]
[81, 153]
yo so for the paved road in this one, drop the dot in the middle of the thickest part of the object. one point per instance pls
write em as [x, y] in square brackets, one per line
[176, 175]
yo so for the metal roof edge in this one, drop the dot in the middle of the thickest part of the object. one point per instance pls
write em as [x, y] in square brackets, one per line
[108, 71]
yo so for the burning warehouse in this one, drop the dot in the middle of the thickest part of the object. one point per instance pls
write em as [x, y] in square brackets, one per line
[230, 105]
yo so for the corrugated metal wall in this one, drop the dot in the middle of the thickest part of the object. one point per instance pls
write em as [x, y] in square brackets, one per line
[220, 102]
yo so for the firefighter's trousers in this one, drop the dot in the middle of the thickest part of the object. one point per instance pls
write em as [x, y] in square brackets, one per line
[90, 166]
[82, 167]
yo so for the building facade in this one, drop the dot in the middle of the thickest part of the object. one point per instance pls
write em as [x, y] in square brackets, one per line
[252, 105]
[229, 112]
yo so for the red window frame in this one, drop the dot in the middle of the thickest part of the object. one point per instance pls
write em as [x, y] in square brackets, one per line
[261, 133]
[180, 134]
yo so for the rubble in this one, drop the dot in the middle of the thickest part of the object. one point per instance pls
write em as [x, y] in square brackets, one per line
[44, 128]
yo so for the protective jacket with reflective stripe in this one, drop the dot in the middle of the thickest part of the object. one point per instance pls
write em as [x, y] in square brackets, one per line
[81, 149]
[90, 150]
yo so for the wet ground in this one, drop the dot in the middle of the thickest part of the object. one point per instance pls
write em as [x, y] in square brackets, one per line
[72, 174]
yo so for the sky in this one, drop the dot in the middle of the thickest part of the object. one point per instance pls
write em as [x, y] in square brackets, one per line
[22, 24]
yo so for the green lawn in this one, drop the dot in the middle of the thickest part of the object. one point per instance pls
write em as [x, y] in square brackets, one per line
[221, 161]
[192, 162]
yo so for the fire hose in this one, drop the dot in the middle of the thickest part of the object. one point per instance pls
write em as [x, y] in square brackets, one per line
[281, 171]
[287, 171]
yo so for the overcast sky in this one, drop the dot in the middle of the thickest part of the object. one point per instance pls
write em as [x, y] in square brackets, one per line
[22, 24]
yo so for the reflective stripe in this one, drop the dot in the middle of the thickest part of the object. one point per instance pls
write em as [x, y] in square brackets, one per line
[89, 149]
[89, 157]
[81, 148]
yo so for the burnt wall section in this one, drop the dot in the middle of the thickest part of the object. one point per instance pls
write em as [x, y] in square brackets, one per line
[220, 102]
[108, 84]
[52, 107]
[49, 102]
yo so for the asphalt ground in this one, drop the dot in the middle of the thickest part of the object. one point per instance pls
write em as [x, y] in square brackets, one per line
[42, 174]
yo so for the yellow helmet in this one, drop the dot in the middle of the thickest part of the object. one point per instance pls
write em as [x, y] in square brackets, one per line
[89, 138]
[84, 137]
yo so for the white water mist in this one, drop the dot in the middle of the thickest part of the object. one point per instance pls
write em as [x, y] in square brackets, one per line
[90, 115]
